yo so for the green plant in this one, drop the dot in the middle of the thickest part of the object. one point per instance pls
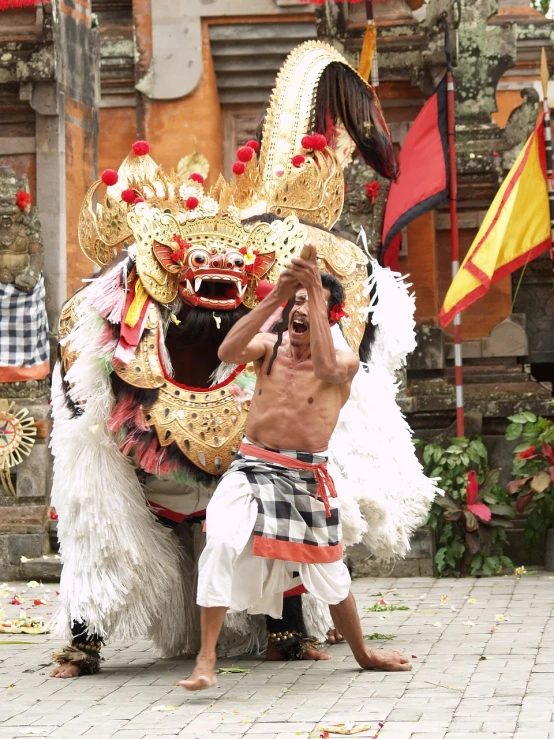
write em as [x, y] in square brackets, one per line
[533, 472]
[470, 520]
[378, 607]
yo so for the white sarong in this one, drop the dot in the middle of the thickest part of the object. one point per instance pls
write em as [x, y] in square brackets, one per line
[231, 576]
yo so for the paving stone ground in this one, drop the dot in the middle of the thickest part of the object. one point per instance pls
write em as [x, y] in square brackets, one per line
[467, 680]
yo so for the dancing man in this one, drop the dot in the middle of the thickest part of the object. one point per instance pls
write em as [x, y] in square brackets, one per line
[274, 519]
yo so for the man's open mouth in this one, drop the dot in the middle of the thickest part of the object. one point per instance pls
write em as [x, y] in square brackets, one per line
[213, 290]
[299, 326]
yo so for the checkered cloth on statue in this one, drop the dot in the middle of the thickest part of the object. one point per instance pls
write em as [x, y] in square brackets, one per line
[24, 348]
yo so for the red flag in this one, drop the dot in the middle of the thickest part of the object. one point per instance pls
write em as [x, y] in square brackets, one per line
[422, 183]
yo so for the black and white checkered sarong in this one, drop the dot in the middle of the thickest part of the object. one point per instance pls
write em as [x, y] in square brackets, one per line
[296, 520]
[23, 326]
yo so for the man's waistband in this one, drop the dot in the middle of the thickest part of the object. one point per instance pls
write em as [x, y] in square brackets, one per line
[250, 449]
[317, 463]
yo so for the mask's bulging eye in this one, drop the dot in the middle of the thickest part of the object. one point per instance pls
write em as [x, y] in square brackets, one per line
[234, 260]
[198, 258]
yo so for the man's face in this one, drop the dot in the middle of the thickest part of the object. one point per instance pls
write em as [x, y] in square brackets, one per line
[299, 319]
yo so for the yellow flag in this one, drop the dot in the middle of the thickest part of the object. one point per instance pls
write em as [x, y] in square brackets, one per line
[516, 229]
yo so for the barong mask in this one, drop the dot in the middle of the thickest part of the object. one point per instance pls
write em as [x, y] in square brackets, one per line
[198, 246]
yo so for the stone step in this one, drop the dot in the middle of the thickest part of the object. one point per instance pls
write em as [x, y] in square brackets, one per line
[490, 374]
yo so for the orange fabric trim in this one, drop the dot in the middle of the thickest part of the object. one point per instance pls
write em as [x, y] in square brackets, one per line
[19, 374]
[292, 551]
[298, 590]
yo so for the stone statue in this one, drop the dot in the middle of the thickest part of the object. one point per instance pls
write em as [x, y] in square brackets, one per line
[21, 250]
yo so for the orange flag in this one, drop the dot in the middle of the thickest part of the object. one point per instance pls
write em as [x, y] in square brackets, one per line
[516, 229]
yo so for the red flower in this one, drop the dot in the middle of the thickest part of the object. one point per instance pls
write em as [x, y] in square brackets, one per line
[23, 199]
[140, 148]
[298, 160]
[480, 510]
[245, 154]
[253, 144]
[238, 168]
[192, 203]
[527, 453]
[196, 177]
[307, 142]
[320, 142]
[109, 177]
[53, 514]
[337, 312]
[372, 190]
[128, 196]
[178, 255]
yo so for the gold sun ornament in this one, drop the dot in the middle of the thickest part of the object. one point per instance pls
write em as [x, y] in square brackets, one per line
[17, 438]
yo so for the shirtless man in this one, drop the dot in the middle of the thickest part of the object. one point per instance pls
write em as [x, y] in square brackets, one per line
[274, 518]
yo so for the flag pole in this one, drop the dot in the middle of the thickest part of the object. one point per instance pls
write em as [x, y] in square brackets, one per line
[454, 236]
[374, 76]
[548, 143]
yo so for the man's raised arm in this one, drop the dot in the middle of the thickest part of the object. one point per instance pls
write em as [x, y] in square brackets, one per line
[330, 365]
[244, 343]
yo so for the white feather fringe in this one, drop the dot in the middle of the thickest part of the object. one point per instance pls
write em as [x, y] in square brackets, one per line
[378, 461]
[121, 568]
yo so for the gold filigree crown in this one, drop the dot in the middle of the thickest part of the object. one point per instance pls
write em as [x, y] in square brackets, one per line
[293, 173]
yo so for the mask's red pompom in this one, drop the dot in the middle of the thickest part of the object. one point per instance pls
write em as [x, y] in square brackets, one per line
[253, 144]
[298, 160]
[263, 289]
[320, 142]
[128, 196]
[192, 203]
[196, 177]
[245, 154]
[109, 177]
[238, 168]
[140, 148]
[307, 142]
[136, 201]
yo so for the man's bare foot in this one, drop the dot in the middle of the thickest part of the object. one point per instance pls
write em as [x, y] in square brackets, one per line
[272, 654]
[66, 669]
[334, 636]
[385, 660]
[203, 676]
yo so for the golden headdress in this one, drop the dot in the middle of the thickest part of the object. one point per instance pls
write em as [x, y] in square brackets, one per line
[187, 241]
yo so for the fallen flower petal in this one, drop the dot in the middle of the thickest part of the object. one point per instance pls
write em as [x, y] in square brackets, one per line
[444, 598]
[438, 625]
[499, 617]
[472, 601]
[164, 708]
[469, 623]
[32, 584]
